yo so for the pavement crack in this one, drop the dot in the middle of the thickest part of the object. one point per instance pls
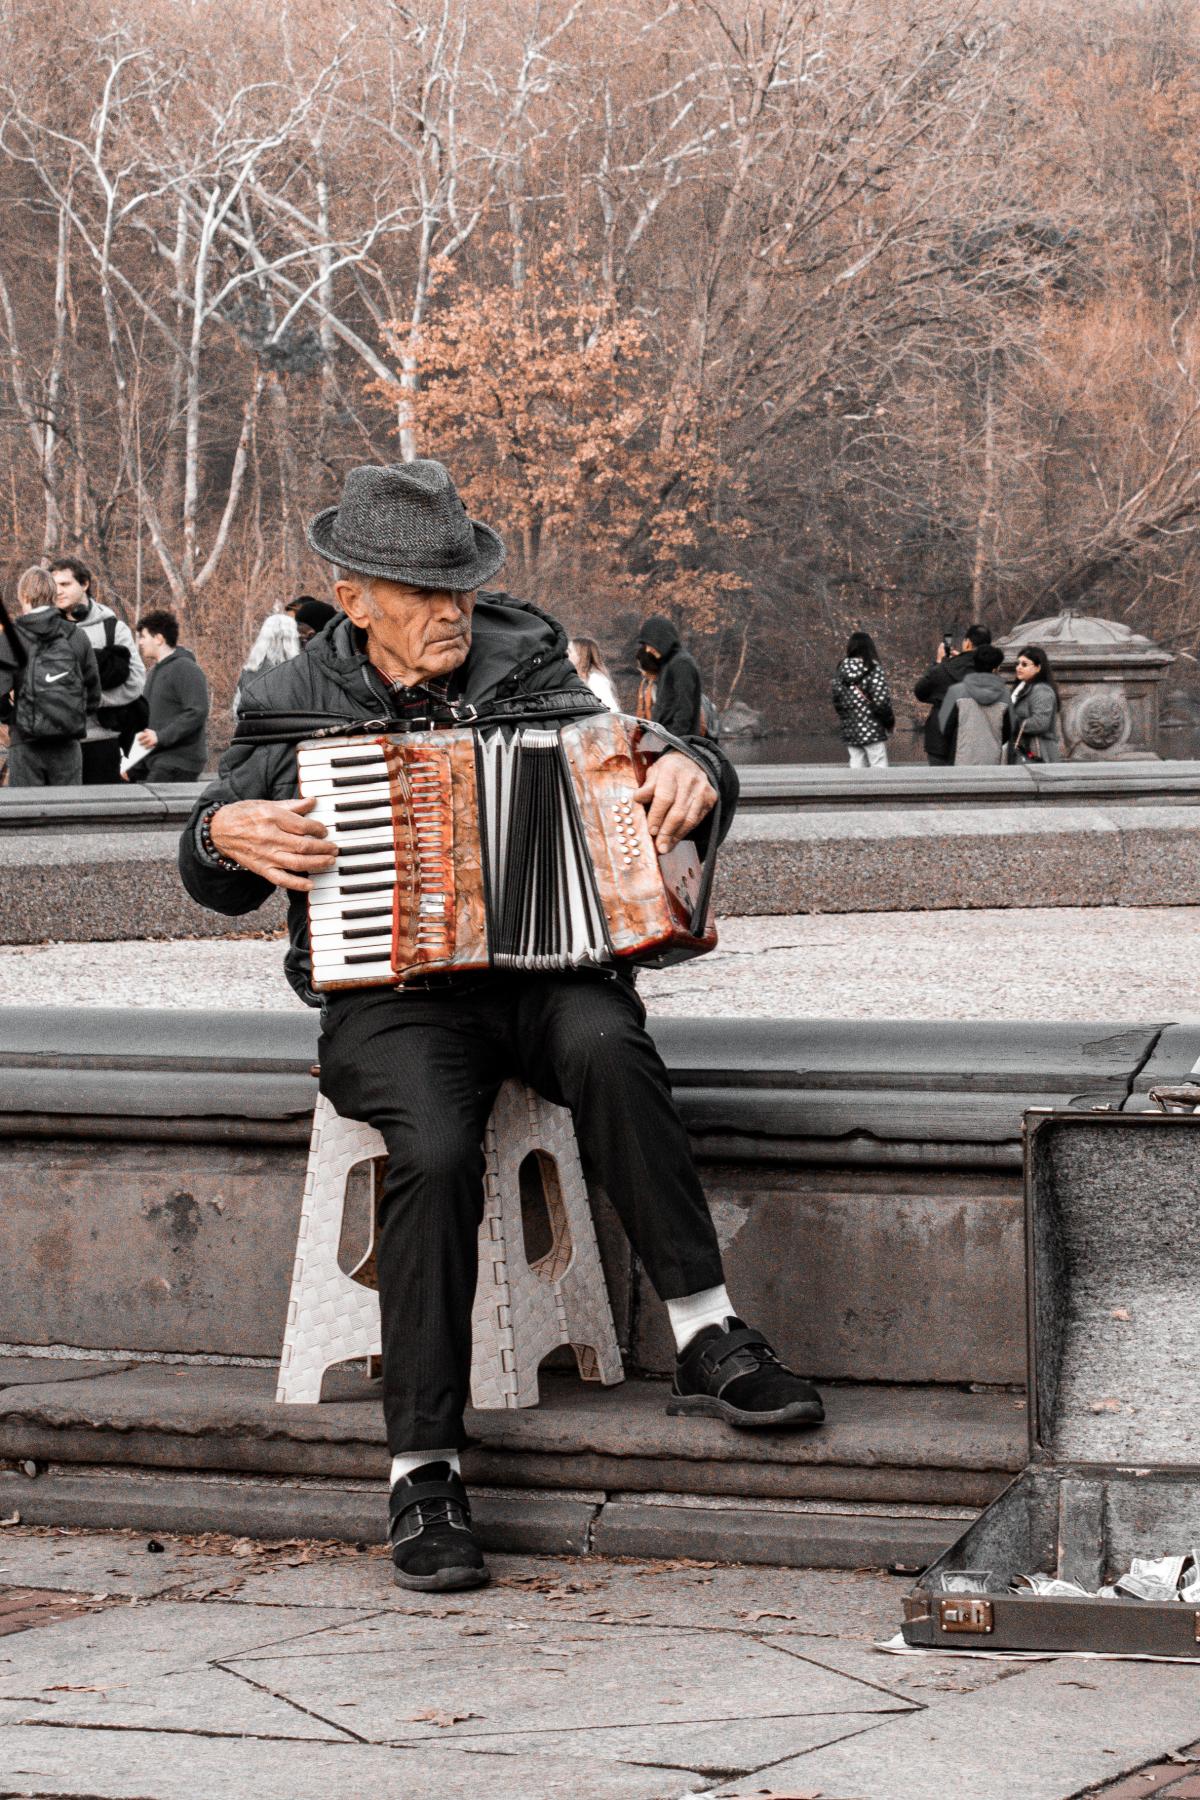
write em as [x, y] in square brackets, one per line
[1135, 1072]
[261, 1687]
[710, 1774]
[159, 1730]
[907, 1703]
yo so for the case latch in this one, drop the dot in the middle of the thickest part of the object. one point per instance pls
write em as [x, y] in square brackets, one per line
[965, 1612]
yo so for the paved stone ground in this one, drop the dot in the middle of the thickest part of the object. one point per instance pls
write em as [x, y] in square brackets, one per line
[217, 1667]
[1112, 963]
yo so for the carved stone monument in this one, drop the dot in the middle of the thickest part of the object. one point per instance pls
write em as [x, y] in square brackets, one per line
[1110, 679]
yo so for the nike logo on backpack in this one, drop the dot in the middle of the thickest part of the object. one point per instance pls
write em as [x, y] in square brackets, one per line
[62, 677]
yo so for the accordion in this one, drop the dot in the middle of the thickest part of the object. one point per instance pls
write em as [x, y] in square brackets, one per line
[504, 846]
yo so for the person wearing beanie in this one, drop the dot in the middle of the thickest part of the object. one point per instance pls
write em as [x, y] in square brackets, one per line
[311, 616]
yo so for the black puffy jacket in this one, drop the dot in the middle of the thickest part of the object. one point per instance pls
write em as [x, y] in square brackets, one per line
[515, 650]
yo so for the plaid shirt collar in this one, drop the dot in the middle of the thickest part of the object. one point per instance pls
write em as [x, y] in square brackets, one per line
[411, 702]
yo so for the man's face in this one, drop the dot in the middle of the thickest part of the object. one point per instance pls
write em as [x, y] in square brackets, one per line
[151, 647]
[70, 593]
[413, 634]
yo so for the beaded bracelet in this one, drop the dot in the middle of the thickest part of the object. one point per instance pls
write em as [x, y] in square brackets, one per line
[209, 849]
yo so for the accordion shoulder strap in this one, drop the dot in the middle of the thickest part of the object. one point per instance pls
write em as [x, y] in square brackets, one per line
[293, 728]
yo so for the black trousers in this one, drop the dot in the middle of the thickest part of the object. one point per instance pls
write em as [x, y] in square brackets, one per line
[424, 1067]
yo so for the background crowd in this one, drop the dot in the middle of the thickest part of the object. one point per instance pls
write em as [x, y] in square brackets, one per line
[975, 717]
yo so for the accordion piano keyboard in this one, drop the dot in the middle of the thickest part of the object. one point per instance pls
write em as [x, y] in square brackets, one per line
[350, 906]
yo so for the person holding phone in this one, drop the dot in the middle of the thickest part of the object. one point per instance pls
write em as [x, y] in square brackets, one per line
[950, 666]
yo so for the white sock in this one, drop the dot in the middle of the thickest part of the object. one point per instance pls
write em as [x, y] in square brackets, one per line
[695, 1311]
[416, 1459]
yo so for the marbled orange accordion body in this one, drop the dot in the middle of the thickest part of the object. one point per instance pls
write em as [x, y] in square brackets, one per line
[495, 847]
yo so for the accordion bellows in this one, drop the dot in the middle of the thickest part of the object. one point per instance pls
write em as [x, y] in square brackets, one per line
[503, 847]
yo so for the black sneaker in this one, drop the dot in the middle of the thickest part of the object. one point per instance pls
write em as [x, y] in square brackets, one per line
[433, 1546]
[734, 1374]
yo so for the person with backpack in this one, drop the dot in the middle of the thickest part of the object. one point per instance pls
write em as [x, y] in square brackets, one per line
[123, 710]
[49, 685]
[863, 703]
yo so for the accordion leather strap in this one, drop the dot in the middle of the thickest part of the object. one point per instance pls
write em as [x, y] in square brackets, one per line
[293, 728]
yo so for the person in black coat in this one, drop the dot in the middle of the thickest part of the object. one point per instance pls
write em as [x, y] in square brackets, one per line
[175, 740]
[935, 684]
[675, 701]
[423, 638]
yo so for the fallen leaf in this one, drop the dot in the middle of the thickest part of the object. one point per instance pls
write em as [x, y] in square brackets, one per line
[1105, 1406]
[1120, 1312]
[431, 1716]
[754, 1617]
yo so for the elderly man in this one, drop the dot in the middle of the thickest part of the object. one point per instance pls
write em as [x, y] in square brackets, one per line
[423, 1064]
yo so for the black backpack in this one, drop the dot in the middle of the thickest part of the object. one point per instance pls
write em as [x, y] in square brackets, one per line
[51, 699]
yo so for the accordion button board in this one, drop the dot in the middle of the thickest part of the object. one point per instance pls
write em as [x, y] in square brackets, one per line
[511, 849]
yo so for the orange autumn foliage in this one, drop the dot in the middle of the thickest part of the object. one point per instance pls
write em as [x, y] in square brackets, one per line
[547, 408]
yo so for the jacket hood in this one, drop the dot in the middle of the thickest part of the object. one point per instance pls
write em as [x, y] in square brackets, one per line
[95, 612]
[186, 655]
[43, 625]
[854, 668]
[660, 634]
[986, 689]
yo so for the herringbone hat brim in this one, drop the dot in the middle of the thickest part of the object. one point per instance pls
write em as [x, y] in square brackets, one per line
[405, 522]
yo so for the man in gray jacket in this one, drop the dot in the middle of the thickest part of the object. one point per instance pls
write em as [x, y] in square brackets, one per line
[423, 644]
[122, 673]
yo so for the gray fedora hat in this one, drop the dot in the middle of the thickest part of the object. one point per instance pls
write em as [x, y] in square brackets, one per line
[405, 522]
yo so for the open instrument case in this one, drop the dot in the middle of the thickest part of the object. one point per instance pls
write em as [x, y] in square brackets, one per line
[1112, 1225]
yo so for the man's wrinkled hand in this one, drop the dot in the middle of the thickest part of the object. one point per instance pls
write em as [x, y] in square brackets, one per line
[677, 795]
[274, 838]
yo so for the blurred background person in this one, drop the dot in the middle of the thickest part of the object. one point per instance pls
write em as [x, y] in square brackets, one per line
[312, 616]
[122, 711]
[590, 666]
[50, 685]
[669, 692]
[277, 642]
[974, 714]
[175, 743]
[862, 700]
[949, 666]
[1033, 709]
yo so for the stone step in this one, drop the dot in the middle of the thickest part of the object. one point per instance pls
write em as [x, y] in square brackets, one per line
[890, 1480]
[508, 1520]
[942, 1446]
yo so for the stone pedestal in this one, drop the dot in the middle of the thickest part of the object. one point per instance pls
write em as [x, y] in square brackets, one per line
[1110, 679]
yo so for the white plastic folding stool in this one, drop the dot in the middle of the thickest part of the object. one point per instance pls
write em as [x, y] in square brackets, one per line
[521, 1312]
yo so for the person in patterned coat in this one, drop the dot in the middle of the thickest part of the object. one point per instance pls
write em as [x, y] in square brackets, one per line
[863, 703]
